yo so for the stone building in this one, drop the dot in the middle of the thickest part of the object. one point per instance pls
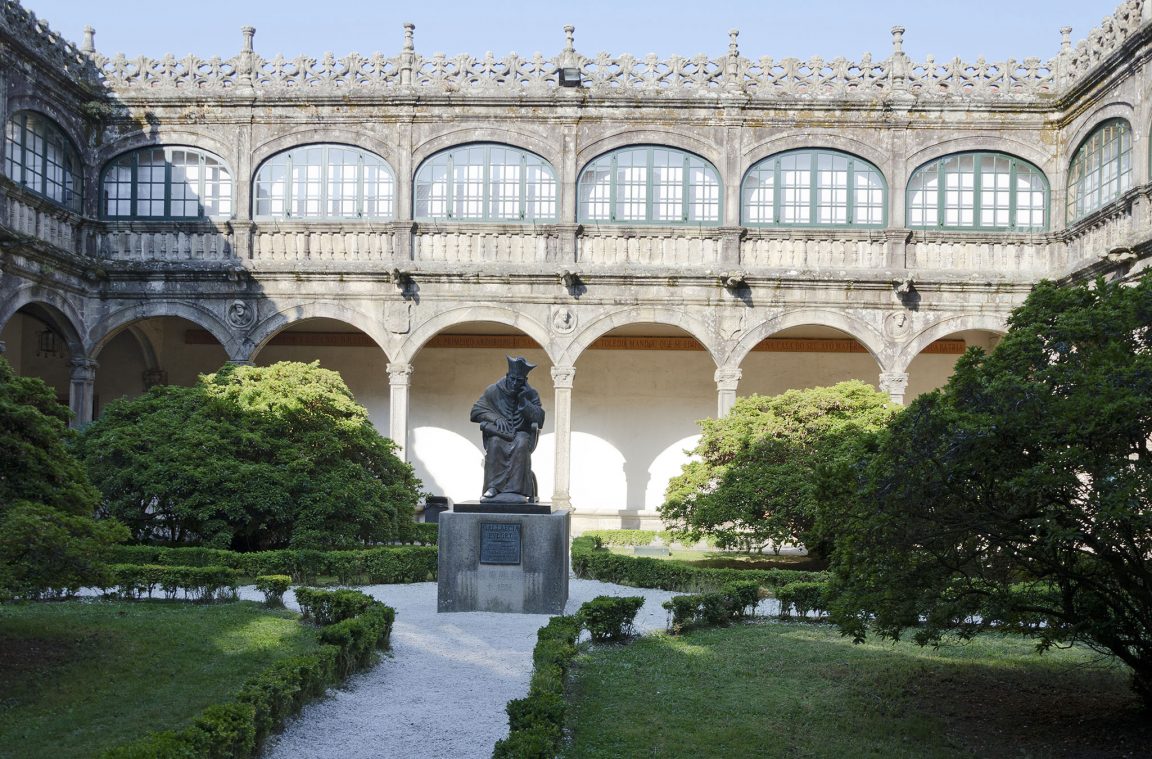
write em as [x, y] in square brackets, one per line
[658, 235]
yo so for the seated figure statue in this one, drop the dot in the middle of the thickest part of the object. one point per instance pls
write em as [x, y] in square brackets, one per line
[510, 416]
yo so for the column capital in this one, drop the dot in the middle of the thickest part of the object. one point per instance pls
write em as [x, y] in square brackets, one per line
[894, 383]
[399, 374]
[83, 368]
[562, 376]
[727, 378]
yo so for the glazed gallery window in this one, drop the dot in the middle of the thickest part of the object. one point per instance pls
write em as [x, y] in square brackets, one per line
[325, 182]
[41, 158]
[486, 182]
[978, 191]
[1101, 168]
[649, 185]
[166, 183]
[816, 188]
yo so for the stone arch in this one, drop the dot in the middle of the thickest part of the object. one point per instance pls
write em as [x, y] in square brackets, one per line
[599, 327]
[68, 125]
[107, 328]
[860, 330]
[406, 351]
[162, 136]
[268, 328]
[814, 140]
[1097, 116]
[1043, 160]
[706, 149]
[303, 136]
[515, 138]
[65, 317]
[989, 322]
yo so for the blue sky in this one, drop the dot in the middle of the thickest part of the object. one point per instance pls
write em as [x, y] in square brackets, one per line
[995, 29]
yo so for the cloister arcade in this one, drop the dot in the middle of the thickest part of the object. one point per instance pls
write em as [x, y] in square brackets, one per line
[658, 243]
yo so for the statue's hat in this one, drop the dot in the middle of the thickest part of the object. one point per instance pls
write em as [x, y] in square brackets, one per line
[519, 367]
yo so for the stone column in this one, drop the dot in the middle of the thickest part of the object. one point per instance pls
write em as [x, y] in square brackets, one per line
[894, 383]
[399, 379]
[562, 377]
[80, 396]
[727, 379]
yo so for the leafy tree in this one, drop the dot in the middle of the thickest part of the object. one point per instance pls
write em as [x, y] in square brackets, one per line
[252, 458]
[752, 481]
[1021, 493]
[49, 542]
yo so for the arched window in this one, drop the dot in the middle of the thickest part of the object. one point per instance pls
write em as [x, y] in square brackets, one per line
[813, 188]
[166, 183]
[325, 182]
[1101, 168]
[486, 182]
[978, 191]
[649, 184]
[42, 159]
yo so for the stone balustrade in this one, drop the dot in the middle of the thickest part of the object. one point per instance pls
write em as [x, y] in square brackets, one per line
[494, 244]
[1024, 255]
[669, 246]
[158, 241]
[805, 251]
[322, 241]
[42, 219]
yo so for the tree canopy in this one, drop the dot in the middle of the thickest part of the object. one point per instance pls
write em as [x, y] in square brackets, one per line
[49, 542]
[751, 482]
[251, 458]
[1020, 493]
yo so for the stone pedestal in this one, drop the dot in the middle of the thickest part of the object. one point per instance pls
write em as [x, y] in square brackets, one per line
[503, 562]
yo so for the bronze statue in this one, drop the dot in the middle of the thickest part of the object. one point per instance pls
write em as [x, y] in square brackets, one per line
[510, 415]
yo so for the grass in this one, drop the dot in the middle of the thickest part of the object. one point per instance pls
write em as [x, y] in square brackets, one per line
[801, 690]
[79, 677]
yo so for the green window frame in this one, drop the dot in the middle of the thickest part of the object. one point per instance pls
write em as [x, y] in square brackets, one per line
[166, 182]
[983, 191]
[324, 182]
[814, 188]
[1101, 168]
[40, 157]
[486, 182]
[649, 184]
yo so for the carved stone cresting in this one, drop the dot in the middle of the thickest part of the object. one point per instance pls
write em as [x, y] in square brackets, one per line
[564, 320]
[241, 314]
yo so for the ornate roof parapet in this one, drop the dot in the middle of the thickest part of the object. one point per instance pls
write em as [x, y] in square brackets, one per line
[601, 76]
[36, 36]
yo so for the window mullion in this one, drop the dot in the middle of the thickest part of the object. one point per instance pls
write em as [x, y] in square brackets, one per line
[485, 188]
[977, 187]
[1012, 221]
[649, 210]
[941, 193]
[684, 189]
[612, 189]
[813, 187]
[850, 194]
[777, 191]
[523, 199]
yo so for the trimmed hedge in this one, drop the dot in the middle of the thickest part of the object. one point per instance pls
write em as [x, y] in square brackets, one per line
[590, 562]
[627, 537]
[736, 600]
[198, 583]
[804, 597]
[608, 618]
[239, 728]
[387, 564]
[327, 607]
[273, 587]
[536, 723]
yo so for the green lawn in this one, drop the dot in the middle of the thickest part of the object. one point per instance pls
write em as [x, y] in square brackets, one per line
[78, 677]
[801, 690]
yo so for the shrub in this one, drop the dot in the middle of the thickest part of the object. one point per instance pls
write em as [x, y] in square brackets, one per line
[607, 618]
[717, 608]
[198, 583]
[744, 595]
[273, 587]
[327, 607]
[536, 723]
[591, 562]
[804, 597]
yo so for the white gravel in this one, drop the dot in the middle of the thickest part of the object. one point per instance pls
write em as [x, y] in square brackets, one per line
[441, 691]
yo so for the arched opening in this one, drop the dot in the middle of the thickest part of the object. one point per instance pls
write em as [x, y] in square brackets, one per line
[804, 356]
[36, 344]
[449, 374]
[932, 367]
[342, 348]
[159, 350]
[639, 391]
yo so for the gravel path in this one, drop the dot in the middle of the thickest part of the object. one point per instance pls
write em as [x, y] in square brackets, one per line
[442, 691]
